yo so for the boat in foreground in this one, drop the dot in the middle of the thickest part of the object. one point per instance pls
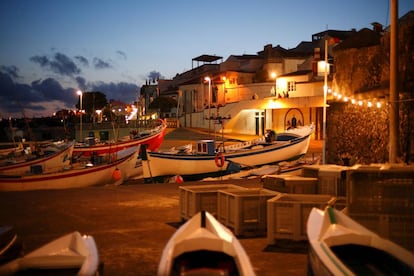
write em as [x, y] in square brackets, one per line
[53, 157]
[341, 246]
[208, 162]
[77, 176]
[152, 139]
[203, 246]
[73, 252]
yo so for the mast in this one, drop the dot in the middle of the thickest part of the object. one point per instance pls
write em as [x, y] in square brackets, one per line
[393, 100]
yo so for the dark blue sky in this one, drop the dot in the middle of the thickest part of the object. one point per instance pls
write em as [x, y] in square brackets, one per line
[50, 48]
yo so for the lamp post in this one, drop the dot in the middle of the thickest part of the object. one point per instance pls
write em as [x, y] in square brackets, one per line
[274, 76]
[81, 111]
[209, 102]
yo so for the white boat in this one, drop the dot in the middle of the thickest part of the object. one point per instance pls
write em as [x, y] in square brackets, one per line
[54, 157]
[79, 175]
[72, 252]
[203, 246]
[152, 139]
[341, 246]
[208, 162]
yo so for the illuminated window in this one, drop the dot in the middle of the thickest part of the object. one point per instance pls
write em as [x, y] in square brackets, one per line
[291, 85]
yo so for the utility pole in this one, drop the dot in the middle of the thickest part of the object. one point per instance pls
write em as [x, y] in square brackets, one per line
[393, 100]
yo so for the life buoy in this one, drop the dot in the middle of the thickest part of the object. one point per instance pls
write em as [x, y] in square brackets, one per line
[219, 159]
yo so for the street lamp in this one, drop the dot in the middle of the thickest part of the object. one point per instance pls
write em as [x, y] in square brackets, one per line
[209, 102]
[274, 76]
[81, 111]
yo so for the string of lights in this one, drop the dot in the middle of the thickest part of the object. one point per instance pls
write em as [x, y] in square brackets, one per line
[378, 103]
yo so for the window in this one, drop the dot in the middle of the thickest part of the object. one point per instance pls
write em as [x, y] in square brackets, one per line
[291, 85]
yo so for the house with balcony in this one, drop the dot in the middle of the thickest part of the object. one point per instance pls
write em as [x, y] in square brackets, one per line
[248, 94]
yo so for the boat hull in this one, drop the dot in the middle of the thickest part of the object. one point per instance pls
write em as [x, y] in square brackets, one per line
[197, 166]
[112, 173]
[49, 163]
[341, 246]
[152, 141]
[201, 245]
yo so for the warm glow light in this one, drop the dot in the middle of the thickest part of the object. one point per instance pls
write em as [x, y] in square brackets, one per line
[353, 101]
[79, 92]
[345, 99]
[335, 94]
[339, 96]
[273, 75]
[223, 78]
[360, 103]
[378, 104]
[207, 79]
[369, 104]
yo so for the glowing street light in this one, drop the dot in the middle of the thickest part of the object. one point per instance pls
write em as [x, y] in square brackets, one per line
[209, 102]
[274, 76]
[81, 111]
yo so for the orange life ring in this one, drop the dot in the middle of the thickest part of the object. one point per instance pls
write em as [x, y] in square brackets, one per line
[219, 159]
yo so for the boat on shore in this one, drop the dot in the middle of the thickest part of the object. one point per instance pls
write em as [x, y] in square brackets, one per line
[151, 138]
[208, 161]
[341, 246]
[48, 158]
[76, 176]
[203, 246]
[71, 254]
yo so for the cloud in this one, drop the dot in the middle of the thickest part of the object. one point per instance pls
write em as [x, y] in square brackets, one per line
[83, 60]
[101, 64]
[122, 91]
[45, 96]
[60, 64]
[32, 98]
[121, 54]
[154, 75]
[13, 71]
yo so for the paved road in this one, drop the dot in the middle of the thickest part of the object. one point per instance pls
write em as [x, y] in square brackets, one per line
[131, 224]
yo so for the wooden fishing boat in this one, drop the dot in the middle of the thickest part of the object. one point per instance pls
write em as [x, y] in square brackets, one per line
[76, 176]
[53, 157]
[341, 246]
[208, 162]
[73, 252]
[152, 139]
[203, 246]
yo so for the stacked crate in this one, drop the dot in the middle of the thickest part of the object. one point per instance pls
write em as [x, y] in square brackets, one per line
[244, 211]
[292, 184]
[196, 198]
[287, 215]
[381, 197]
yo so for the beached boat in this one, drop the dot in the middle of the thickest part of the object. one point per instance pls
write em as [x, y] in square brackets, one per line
[341, 246]
[73, 252]
[52, 157]
[206, 161]
[76, 176]
[203, 246]
[151, 138]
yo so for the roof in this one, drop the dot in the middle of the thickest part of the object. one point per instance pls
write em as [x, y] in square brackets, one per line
[207, 58]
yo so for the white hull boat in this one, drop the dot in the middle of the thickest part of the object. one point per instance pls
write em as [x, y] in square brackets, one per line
[53, 160]
[203, 246]
[290, 145]
[72, 252]
[341, 246]
[77, 176]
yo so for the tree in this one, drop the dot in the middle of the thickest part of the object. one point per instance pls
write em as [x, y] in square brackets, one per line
[92, 101]
[163, 103]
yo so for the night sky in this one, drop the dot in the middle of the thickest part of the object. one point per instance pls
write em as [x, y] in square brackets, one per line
[51, 48]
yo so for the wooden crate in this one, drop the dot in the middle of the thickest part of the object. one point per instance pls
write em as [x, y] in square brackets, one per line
[397, 228]
[292, 184]
[196, 198]
[287, 215]
[244, 211]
